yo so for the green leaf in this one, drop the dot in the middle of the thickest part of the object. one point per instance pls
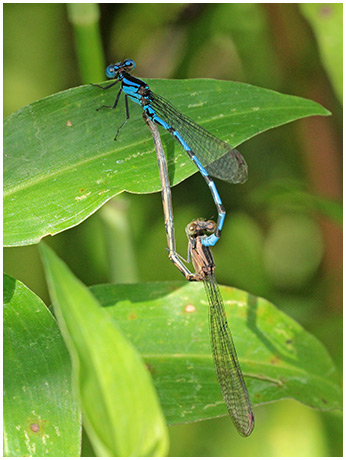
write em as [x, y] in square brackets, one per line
[41, 415]
[168, 323]
[121, 412]
[61, 162]
[326, 22]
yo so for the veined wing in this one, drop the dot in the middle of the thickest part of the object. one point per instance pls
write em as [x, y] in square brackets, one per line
[218, 157]
[227, 366]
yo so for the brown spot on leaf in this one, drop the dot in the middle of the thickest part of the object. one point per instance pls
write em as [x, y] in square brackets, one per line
[34, 427]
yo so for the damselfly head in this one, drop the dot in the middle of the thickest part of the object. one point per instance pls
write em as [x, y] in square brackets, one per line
[113, 70]
[200, 227]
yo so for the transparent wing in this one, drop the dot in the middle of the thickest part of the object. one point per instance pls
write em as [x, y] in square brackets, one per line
[218, 157]
[227, 366]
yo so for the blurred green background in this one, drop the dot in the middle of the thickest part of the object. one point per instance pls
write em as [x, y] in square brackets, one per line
[282, 239]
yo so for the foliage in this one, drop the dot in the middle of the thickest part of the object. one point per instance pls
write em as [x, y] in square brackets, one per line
[62, 164]
[281, 239]
[41, 414]
[326, 21]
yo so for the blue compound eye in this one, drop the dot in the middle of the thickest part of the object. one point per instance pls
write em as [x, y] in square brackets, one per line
[130, 63]
[110, 71]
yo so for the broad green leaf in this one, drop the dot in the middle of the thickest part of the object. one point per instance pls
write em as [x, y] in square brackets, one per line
[41, 415]
[168, 323]
[326, 22]
[121, 411]
[61, 162]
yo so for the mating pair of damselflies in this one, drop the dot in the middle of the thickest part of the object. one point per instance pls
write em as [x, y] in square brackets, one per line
[211, 155]
[216, 158]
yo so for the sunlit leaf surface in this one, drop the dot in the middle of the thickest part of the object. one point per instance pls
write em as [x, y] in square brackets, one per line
[168, 323]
